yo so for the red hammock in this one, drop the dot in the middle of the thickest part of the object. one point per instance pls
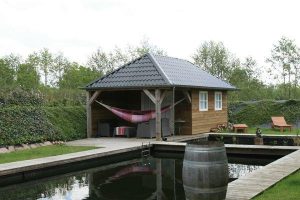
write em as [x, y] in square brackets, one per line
[136, 116]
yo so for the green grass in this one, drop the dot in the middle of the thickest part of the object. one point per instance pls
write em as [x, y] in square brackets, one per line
[270, 131]
[41, 152]
[287, 189]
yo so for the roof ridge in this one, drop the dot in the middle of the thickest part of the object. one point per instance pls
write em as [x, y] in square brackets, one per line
[158, 67]
[173, 58]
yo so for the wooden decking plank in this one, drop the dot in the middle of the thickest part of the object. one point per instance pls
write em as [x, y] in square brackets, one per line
[257, 181]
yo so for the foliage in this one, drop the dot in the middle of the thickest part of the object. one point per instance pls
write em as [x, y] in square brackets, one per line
[41, 152]
[214, 58]
[77, 76]
[260, 112]
[285, 60]
[28, 124]
[25, 125]
[6, 74]
[63, 96]
[68, 121]
[27, 76]
[105, 62]
[18, 96]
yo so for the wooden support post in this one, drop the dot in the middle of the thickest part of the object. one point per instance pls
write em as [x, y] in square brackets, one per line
[88, 116]
[89, 121]
[150, 95]
[158, 115]
[187, 96]
[172, 120]
[94, 97]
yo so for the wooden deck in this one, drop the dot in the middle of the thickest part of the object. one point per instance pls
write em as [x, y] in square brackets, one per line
[258, 181]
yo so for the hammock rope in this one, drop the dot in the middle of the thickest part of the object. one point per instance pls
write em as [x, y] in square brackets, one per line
[136, 116]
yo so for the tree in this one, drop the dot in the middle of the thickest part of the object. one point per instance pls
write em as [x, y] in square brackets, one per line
[27, 76]
[43, 60]
[60, 64]
[214, 58]
[144, 47]
[284, 60]
[77, 76]
[6, 74]
[13, 61]
[101, 61]
[105, 62]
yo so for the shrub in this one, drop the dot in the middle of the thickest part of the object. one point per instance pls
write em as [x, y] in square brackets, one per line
[260, 112]
[28, 124]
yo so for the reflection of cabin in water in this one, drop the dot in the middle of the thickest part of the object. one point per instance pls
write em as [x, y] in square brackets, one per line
[154, 82]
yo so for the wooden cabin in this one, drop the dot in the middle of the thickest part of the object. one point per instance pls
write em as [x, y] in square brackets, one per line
[153, 82]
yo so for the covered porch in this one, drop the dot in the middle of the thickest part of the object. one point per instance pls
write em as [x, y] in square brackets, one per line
[172, 108]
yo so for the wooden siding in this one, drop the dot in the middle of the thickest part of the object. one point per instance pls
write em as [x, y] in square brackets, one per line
[203, 121]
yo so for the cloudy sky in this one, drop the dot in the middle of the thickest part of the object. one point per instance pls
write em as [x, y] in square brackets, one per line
[78, 27]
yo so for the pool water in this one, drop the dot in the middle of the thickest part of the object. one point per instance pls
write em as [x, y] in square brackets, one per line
[147, 178]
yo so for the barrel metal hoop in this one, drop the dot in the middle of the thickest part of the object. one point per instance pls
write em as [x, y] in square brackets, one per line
[206, 190]
[221, 149]
[200, 163]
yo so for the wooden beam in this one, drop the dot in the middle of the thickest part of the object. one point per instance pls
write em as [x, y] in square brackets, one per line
[172, 120]
[88, 116]
[187, 96]
[158, 114]
[150, 95]
[94, 97]
[163, 96]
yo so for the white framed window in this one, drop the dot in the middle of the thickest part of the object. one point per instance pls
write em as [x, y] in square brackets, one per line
[203, 101]
[218, 100]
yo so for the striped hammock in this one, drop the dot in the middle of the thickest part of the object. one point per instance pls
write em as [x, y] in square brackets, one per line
[136, 116]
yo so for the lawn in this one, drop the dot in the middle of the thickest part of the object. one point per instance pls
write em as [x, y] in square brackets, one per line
[287, 189]
[270, 131]
[41, 152]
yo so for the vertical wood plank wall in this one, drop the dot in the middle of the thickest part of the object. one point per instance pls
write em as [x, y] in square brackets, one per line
[202, 121]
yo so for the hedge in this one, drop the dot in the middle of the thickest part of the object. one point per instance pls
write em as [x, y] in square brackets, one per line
[260, 112]
[31, 124]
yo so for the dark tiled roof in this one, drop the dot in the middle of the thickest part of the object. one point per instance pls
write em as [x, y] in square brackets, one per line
[158, 71]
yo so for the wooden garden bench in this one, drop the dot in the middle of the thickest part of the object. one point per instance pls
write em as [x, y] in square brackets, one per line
[280, 123]
[241, 127]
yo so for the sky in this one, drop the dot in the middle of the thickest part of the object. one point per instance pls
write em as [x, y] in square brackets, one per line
[78, 27]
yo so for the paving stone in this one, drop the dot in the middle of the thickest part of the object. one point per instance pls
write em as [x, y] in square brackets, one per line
[41, 144]
[32, 146]
[25, 146]
[11, 148]
[19, 148]
[4, 150]
[47, 143]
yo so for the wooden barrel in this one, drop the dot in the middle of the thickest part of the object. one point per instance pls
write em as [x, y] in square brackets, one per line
[205, 171]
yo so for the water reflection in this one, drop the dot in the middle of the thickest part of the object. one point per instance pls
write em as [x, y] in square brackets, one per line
[151, 178]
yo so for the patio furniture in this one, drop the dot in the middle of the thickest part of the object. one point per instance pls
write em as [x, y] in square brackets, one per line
[240, 127]
[104, 130]
[124, 131]
[147, 129]
[280, 123]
